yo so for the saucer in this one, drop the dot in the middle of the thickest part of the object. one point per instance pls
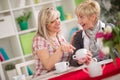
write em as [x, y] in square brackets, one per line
[61, 71]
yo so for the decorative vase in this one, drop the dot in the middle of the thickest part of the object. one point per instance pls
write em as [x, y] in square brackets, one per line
[23, 25]
[62, 15]
[11, 74]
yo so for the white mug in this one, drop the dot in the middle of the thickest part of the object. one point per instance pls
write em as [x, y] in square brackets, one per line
[94, 69]
[61, 66]
[80, 54]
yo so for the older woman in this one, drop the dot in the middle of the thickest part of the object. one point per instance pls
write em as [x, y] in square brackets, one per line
[49, 47]
[88, 13]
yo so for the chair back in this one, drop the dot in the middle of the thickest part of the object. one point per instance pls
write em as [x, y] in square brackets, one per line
[25, 65]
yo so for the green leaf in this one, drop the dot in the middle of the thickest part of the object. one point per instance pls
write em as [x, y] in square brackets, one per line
[23, 17]
[113, 56]
[108, 43]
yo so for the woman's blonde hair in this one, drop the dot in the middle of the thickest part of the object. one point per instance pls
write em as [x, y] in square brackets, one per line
[45, 16]
[88, 7]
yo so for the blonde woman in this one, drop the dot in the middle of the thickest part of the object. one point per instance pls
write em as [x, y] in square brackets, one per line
[88, 13]
[49, 47]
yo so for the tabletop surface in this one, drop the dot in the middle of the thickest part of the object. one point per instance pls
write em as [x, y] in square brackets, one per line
[51, 75]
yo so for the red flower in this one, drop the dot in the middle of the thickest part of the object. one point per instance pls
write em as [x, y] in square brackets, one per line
[101, 55]
[99, 35]
[108, 36]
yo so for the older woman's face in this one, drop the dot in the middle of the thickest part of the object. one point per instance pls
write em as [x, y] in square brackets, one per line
[54, 26]
[86, 22]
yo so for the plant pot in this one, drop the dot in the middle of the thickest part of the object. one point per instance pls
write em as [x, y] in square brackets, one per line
[11, 74]
[23, 25]
[62, 15]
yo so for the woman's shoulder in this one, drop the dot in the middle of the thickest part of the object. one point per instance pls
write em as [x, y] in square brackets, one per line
[78, 33]
[39, 39]
[61, 38]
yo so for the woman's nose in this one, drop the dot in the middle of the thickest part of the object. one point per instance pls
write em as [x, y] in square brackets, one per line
[57, 21]
[79, 21]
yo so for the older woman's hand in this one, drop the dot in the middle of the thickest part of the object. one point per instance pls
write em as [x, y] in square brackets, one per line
[86, 60]
[89, 58]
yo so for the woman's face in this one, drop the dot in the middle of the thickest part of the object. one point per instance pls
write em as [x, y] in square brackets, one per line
[86, 22]
[54, 26]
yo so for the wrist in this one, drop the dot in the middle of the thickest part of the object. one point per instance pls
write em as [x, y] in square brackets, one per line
[60, 49]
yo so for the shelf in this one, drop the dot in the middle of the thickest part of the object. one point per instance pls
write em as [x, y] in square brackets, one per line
[43, 3]
[4, 11]
[21, 8]
[31, 21]
[27, 31]
[12, 60]
[16, 41]
[19, 4]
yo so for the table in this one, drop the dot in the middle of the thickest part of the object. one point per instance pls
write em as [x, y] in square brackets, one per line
[76, 73]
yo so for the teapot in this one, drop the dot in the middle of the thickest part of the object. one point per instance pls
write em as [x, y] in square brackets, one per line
[94, 68]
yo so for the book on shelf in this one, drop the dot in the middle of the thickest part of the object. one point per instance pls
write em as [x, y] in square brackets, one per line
[62, 14]
[1, 57]
[30, 72]
[4, 54]
[26, 42]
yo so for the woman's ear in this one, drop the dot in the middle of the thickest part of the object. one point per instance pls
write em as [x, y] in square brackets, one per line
[93, 17]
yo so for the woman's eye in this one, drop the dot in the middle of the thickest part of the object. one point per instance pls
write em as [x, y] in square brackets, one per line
[81, 16]
[52, 21]
[55, 20]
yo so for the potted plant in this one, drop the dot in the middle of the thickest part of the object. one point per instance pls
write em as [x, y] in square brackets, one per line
[22, 20]
[10, 70]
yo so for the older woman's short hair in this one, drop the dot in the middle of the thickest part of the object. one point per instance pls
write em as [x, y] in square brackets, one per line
[88, 8]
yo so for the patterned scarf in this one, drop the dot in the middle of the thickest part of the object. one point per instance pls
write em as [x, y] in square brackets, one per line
[93, 46]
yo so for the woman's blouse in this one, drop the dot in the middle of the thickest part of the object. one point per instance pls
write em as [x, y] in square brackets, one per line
[40, 43]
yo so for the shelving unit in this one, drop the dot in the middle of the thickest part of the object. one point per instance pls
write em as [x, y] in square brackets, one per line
[10, 32]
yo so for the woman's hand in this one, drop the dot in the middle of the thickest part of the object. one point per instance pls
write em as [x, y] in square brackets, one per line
[89, 58]
[67, 48]
[86, 60]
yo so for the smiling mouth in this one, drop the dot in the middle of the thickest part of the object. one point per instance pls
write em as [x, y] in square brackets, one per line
[58, 27]
[83, 25]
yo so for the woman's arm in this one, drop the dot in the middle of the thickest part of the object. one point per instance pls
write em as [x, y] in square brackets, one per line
[49, 60]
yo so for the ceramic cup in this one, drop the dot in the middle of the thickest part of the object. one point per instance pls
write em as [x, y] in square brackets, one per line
[61, 66]
[94, 69]
[80, 54]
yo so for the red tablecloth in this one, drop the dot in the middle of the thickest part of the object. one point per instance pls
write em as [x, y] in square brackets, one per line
[110, 70]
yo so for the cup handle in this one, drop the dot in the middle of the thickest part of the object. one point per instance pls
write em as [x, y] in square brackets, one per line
[67, 63]
[74, 56]
[94, 59]
[85, 70]
[103, 67]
